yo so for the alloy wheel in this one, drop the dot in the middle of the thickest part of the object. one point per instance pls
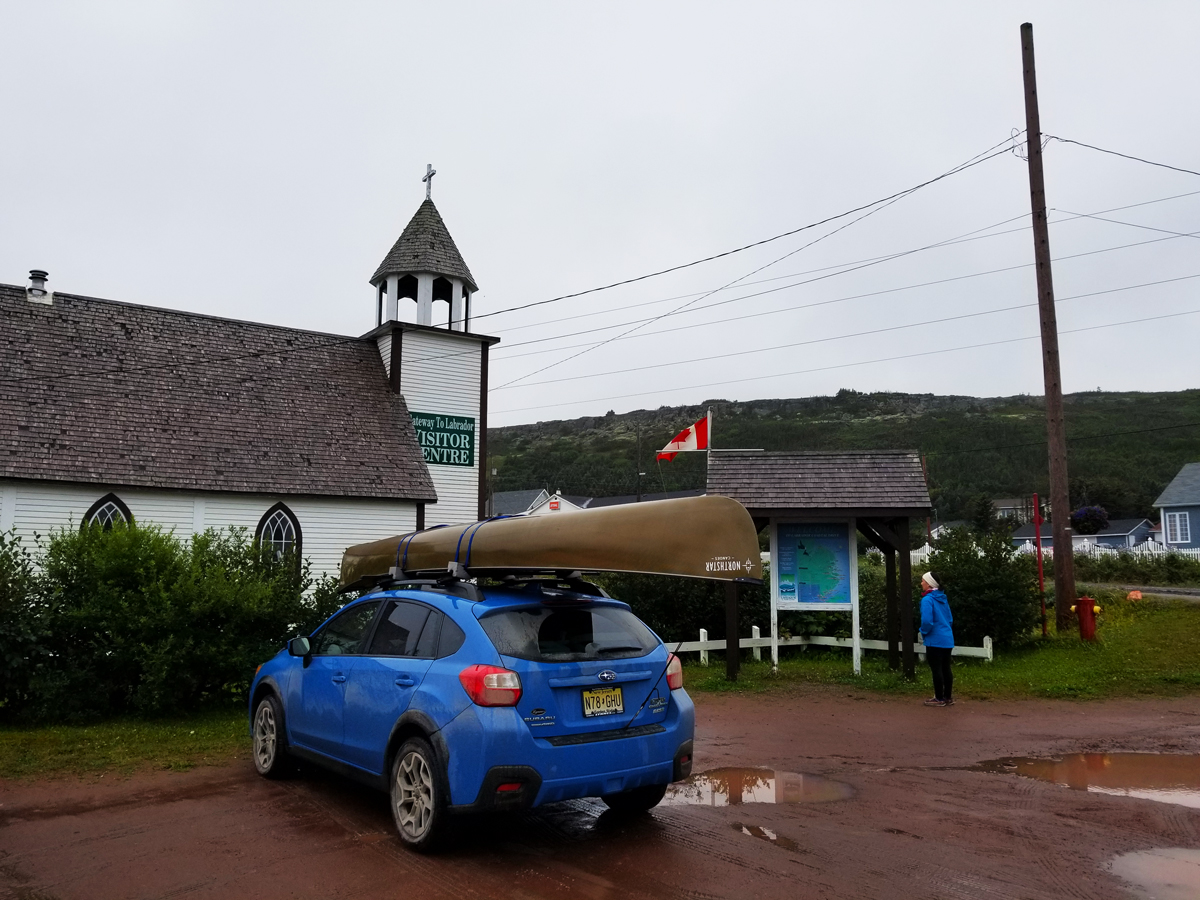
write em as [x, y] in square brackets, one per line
[265, 740]
[414, 795]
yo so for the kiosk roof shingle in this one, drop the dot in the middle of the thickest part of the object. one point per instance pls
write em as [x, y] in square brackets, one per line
[425, 245]
[99, 391]
[869, 482]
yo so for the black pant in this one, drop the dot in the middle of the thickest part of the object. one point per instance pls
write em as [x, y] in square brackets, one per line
[943, 678]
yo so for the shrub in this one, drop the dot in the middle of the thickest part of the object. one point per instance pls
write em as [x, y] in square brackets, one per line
[992, 589]
[677, 608]
[133, 620]
[1130, 568]
[1089, 519]
[20, 611]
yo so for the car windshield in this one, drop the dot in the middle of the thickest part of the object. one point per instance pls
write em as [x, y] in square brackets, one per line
[544, 633]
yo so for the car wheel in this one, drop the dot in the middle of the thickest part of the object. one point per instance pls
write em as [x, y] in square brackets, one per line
[419, 795]
[637, 800]
[270, 742]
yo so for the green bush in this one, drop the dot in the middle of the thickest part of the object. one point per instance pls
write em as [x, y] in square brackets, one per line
[133, 620]
[20, 636]
[991, 588]
[1130, 568]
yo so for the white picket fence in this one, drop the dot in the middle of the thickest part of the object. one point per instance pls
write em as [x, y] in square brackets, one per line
[1147, 548]
[756, 642]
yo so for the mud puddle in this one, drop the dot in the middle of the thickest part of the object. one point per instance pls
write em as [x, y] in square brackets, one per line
[1151, 776]
[1168, 873]
[735, 786]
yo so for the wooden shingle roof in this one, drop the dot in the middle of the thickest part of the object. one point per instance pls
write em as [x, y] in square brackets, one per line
[98, 391]
[856, 483]
[425, 245]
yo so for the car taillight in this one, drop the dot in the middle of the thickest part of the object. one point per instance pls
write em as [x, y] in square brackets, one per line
[491, 685]
[674, 673]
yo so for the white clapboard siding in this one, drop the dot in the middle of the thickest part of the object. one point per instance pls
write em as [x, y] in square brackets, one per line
[440, 373]
[328, 525]
[384, 341]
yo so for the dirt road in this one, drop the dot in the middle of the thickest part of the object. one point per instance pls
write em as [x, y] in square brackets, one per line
[912, 821]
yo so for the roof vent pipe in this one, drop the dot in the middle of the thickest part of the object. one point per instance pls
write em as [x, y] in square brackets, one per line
[36, 292]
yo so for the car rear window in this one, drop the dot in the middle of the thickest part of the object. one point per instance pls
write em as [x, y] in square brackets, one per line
[544, 633]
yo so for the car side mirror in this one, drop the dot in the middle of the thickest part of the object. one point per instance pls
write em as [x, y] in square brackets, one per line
[299, 646]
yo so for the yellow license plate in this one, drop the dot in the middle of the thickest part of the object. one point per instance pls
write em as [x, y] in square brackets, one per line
[603, 702]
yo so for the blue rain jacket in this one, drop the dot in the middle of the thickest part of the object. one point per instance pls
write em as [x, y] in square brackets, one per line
[936, 620]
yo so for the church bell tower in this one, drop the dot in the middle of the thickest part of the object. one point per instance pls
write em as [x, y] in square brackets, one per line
[434, 361]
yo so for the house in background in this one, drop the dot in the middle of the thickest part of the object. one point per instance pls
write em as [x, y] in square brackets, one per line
[1179, 505]
[558, 503]
[1018, 508]
[1119, 534]
[516, 503]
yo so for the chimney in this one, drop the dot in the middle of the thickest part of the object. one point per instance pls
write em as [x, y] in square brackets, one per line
[36, 292]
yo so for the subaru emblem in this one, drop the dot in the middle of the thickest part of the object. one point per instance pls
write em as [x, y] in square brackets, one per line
[607, 675]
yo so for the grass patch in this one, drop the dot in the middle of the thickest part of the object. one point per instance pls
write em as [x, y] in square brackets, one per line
[1143, 649]
[123, 745]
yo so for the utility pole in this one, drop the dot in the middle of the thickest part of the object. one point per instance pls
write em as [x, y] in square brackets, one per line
[637, 466]
[1060, 513]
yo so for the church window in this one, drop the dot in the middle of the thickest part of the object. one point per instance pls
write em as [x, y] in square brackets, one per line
[279, 529]
[108, 511]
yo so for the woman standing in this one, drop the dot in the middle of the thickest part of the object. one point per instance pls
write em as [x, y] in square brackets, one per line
[936, 621]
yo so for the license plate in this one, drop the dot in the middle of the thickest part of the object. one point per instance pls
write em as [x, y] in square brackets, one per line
[603, 701]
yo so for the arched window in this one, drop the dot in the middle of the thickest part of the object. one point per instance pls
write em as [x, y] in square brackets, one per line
[279, 529]
[109, 510]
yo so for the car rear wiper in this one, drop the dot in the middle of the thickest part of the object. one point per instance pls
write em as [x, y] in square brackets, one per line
[654, 686]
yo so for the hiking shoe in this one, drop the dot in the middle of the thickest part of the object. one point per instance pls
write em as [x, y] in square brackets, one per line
[934, 701]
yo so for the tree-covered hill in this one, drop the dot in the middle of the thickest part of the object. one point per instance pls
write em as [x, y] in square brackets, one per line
[974, 446]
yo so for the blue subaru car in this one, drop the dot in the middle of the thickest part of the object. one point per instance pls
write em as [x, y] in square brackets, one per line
[456, 698]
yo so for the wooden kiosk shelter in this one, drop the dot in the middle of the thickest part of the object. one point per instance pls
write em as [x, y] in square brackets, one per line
[877, 490]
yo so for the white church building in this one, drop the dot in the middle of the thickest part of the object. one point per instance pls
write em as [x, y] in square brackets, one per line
[114, 411]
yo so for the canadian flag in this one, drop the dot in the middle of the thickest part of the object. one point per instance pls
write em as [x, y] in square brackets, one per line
[695, 437]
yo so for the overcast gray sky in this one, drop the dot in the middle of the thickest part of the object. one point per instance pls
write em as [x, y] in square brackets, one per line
[257, 160]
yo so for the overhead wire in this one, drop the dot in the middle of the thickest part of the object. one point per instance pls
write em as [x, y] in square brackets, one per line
[1149, 162]
[864, 362]
[1070, 439]
[874, 208]
[795, 308]
[973, 161]
[842, 337]
[967, 237]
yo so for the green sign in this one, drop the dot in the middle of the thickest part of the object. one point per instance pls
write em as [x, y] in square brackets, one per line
[445, 440]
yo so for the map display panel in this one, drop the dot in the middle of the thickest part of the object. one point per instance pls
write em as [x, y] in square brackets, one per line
[813, 569]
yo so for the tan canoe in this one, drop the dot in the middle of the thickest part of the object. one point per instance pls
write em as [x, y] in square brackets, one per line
[695, 537]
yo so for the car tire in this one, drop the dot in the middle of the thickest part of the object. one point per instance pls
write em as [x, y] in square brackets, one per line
[637, 800]
[419, 796]
[270, 750]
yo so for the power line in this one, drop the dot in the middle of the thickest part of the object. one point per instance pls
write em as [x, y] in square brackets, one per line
[1082, 437]
[796, 308]
[961, 239]
[1148, 162]
[842, 337]
[974, 161]
[880, 205]
[1032, 337]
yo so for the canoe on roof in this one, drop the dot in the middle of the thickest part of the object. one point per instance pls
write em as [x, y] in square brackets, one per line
[694, 537]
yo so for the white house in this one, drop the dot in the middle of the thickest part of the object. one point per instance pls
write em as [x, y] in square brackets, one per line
[112, 411]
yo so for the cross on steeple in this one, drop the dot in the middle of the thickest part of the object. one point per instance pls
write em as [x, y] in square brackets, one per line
[430, 171]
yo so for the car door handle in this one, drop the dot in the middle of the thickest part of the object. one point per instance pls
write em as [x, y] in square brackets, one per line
[339, 678]
[405, 681]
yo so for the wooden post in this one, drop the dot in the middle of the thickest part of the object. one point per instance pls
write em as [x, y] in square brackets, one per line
[733, 648]
[893, 610]
[908, 657]
[1064, 559]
